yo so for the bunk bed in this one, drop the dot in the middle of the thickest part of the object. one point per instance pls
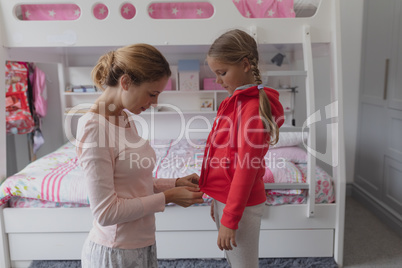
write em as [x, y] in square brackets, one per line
[44, 233]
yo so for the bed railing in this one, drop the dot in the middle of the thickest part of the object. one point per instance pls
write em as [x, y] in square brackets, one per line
[310, 105]
[116, 31]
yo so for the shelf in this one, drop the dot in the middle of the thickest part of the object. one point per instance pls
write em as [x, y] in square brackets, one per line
[82, 93]
[164, 92]
[284, 73]
[286, 186]
[196, 112]
[194, 92]
[293, 129]
[285, 89]
[148, 113]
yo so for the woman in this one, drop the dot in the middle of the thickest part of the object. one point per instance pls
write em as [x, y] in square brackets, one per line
[118, 165]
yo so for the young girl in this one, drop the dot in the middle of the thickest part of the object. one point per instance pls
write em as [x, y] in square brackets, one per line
[247, 123]
[117, 162]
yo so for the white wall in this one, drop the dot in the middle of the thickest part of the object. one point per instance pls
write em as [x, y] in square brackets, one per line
[351, 31]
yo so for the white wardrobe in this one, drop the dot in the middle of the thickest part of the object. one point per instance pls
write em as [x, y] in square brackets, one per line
[378, 172]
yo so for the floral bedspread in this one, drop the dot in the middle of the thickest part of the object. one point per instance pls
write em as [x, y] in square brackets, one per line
[57, 178]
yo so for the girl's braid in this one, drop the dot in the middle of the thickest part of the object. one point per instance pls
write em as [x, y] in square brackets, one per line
[255, 70]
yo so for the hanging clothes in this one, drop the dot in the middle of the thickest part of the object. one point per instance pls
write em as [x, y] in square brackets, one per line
[26, 102]
[39, 91]
[19, 119]
[37, 82]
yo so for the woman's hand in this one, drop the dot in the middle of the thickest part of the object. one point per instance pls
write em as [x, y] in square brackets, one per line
[212, 210]
[184, 196]
[226, 238]
[190, 180]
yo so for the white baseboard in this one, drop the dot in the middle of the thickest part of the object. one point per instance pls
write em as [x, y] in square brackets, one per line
[378, 208]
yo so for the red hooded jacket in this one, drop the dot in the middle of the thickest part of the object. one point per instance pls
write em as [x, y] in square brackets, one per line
[234, 164]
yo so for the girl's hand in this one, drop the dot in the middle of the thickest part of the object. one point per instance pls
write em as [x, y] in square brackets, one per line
[190, 180]
[226, 238]
[184, 196]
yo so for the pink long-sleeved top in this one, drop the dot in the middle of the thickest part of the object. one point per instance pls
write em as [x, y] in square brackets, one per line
[122, 192]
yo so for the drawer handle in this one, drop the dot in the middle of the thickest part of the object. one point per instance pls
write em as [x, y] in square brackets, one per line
[386, 78]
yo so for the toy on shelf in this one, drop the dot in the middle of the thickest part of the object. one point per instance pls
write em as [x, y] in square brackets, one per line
[210, 84]
[188, 75]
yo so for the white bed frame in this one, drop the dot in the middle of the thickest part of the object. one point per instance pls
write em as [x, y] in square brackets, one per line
[309, 230]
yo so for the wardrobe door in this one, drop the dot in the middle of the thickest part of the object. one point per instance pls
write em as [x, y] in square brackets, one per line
[377, 46]
[393, 135]
[392, 190]
[370, 148]
[393, 184]
[395, 89]
[376, 55]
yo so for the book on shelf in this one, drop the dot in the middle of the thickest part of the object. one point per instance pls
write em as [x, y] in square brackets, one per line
[82, 89]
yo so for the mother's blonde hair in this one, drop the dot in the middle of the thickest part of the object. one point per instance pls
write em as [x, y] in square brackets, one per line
[140, 62]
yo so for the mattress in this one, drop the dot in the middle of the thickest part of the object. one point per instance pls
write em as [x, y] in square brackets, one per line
[56, 180]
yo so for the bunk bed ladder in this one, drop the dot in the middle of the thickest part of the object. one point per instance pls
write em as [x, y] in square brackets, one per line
[3, 141]
[338, 153]
[312, 117]
[4, 252]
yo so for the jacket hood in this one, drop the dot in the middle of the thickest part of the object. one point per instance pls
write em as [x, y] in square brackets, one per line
[252, 91]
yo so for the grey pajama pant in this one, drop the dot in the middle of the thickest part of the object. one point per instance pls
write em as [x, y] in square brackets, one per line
[245, 255]
[98, 256]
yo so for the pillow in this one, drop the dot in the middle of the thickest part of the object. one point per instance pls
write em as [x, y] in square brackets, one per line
[293, 154]
[290, 139]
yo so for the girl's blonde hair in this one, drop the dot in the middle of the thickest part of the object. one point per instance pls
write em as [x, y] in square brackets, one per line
[141, 62]
[231, 48]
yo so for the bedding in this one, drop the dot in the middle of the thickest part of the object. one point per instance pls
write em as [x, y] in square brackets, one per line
[21, 202]
[324, 191]
[57, 177]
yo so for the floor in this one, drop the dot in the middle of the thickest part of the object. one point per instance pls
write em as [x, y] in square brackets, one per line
[368, 241]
